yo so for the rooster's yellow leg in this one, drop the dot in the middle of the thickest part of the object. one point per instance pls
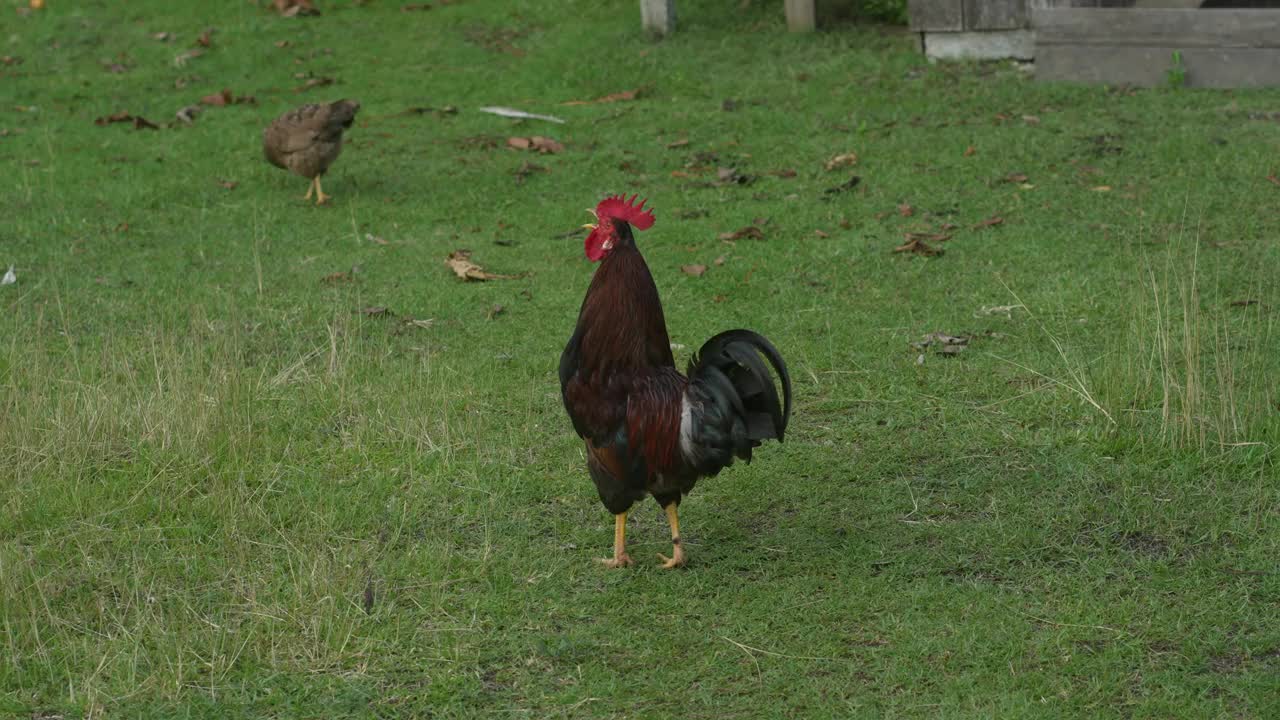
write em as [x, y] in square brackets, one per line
[677, 550]
[321, 198]
[310, 189]
[620, 557]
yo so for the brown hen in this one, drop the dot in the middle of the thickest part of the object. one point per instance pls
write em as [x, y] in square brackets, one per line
[308, 139]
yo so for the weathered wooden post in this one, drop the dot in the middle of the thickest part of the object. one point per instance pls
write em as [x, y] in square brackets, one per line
[801, 16]
[658, 16]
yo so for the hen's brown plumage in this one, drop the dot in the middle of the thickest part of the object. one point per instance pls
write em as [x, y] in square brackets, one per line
[307, 140]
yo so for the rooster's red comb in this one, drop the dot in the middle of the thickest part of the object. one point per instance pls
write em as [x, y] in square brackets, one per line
[620, 208]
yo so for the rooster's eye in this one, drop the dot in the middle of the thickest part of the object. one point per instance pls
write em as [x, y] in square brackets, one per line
[608, 245]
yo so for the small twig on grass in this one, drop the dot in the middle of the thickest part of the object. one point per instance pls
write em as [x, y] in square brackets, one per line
[749, 649]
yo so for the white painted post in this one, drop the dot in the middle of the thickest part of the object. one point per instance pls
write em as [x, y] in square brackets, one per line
[801, 16]
[658, 16]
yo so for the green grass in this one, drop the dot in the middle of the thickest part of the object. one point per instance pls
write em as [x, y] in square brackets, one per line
[209, 454]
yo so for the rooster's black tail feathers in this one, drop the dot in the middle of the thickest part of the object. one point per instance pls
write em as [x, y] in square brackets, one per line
[733, 402]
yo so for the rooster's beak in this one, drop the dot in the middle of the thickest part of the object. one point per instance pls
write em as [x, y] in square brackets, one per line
[589, 226]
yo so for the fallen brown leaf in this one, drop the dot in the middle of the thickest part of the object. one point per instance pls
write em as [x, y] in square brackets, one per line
[942, 343]
[693, 270]
[537, 143]
[1031, 119]
[229, 184]
[1273, 180]
[495, 311]
[206, 38]
[612, 97]
[459, 261]
[139, 122]
[1016, 177]
[335, 278]
[1243, 303]
[1101, 188]
[162, 36]
[677, 143]
[525, 170]
[850, 184]
[282, 43]
[848, 159]
[969, 151]
[783, 173]
[376, 311]
[181, 58]
[295, 8]
[719, 261]
[749, 232]
[731, 176]
[314, 82]
[821, 234]
[415, 6]
[989, 222]
[915, 244]
[906, 210]
[187, 114]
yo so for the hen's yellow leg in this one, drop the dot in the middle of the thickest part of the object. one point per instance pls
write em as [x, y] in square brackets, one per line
[310, 189]
[620, 557]
[321, 198]
[677, 550]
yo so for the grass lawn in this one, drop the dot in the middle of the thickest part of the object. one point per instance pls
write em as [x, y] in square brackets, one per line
[232, 486]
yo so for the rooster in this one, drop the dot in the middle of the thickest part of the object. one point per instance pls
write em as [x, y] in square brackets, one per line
[648, 429]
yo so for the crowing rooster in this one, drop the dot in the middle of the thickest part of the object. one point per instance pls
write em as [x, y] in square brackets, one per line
[650, 430]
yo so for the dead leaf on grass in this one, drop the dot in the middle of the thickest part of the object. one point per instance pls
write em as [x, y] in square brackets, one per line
[750, 232]
[1273, 180]
[411, 7]
[693, 270]
[295, 8]
[783, 173]
[1101, 188]
[229, 184]
[1243, 303]
[612, 97]
[969, 151]
[376, 311]
[459, 261]
[849, 184]
[821, 233]
[315, 82]
[731, 176]
[915, 243]
[537, 143]
[719, 261]
[495, 311]
[335, 278]
[183, 58]
[682, 142]
[525, 170]
[989, 222]
[842, 160]
[226, 97]
[942, 343]
[1015, 177]
[906, 210]
[187, 114]
[162, 36]
[139, 122]
[206, 38]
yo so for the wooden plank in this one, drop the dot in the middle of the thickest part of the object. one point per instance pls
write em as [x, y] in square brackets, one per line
[930, 15]
[995, 14]
[658, 16]
[1157, 28]
[1148, 65]
[801, 16]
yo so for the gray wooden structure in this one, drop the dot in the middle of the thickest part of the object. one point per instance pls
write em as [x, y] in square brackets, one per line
[1200, 43]
[659, 16]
